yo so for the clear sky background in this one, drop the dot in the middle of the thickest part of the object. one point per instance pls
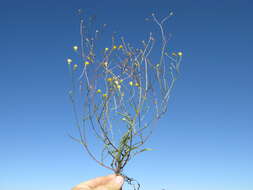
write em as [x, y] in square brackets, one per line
[203, 143]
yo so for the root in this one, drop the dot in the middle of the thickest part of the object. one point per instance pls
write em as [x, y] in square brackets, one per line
[132, 182]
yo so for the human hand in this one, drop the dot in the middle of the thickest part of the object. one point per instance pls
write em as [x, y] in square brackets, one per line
[110, 182]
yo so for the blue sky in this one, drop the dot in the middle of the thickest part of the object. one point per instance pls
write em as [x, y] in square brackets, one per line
[203, 143]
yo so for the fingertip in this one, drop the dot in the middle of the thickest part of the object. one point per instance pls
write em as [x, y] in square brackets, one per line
[119, 180]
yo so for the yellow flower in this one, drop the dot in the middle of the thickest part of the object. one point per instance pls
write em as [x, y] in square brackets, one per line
[131, 83]
[75, 48]
[114, 47]
[87, 63]
[109, 79]
[106, 49]
[121, 81]
[120, 46]
[137, 64]
[104, 95]
[118, 86]
[75, 66]
[137, 84]
[69, 61]
[105, 64]
[98, 91]
[180, 53]
[174, 54]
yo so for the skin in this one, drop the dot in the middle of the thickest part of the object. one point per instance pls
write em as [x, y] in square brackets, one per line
[110, 182]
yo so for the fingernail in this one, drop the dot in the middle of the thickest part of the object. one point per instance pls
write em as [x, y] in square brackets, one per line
[119, 180]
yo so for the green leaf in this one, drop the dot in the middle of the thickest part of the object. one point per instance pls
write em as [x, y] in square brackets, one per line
[125, 115]
[133, 148]
[145, 149]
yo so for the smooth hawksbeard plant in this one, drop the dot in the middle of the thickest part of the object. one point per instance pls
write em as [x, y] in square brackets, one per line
[119, 92]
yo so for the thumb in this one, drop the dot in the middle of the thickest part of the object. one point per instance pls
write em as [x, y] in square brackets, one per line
[115, 183]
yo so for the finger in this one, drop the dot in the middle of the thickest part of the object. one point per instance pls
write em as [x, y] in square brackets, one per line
[111, 182]
[99, 181]
[115, 184]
